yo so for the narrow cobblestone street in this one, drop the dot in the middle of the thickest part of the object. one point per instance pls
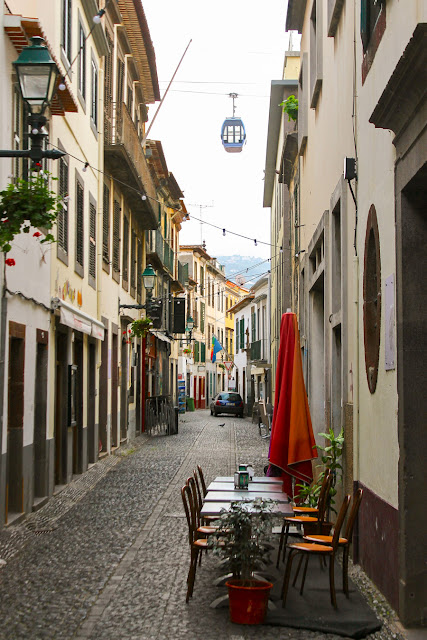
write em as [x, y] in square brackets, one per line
[107, 557]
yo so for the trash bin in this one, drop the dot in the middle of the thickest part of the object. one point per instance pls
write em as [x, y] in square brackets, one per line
[190, 404]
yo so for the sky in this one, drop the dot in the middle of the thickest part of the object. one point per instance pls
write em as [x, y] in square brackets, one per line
[237, 46]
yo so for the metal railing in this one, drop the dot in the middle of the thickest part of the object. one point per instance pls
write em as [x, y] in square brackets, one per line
[161, 418]
[258, 350]
[119, 129]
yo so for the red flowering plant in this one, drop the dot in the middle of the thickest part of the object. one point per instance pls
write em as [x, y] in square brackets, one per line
[25, 204]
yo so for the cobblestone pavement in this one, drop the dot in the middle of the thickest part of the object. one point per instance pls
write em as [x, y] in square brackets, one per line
[108, 556]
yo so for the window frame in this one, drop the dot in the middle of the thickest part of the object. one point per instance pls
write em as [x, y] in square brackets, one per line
[79, 226]
[63, 216]
[94, 95]
[81, 68]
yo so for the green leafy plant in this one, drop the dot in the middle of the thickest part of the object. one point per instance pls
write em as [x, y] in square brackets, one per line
[308, 494]
[139, 328]
[221, 365]
[242, 536]
[290, 106]
[331, 459]
[25, 204]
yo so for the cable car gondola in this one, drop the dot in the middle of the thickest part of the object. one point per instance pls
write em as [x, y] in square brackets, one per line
[233, 134]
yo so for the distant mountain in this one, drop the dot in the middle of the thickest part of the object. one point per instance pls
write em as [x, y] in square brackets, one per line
[243, 269]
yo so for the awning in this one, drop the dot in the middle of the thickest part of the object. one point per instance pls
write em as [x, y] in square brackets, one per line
[161, 336]
[78, 320]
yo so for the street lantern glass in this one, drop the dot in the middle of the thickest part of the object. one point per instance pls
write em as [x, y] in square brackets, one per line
[37, 74]
[190, 323]
[148, 277]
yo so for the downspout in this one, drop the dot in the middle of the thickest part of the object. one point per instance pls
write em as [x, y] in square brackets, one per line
[100, 201]
[3, 325]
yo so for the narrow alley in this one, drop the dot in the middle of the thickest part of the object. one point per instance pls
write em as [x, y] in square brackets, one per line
[108, 556]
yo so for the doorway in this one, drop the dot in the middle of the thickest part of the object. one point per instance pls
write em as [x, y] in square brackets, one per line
[40, 409]
[92, 444]
[15, 421]
[114, 390]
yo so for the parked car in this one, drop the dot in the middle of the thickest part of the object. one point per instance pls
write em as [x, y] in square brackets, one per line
[227, 402]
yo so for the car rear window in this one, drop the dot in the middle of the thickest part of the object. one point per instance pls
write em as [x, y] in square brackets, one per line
[234, 397]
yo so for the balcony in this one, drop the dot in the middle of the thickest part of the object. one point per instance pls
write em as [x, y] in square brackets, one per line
[258, 351]
[182, 273]
[125, 160]
[159, 253]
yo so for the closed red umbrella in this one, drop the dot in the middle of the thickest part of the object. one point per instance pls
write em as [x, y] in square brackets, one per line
[292, 439]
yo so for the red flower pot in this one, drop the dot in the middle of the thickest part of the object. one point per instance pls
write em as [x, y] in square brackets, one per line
[248, 600]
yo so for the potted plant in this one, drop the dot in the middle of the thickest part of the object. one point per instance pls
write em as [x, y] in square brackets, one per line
[241, 539]
[331, 459]
[139, 328]
[25, 204]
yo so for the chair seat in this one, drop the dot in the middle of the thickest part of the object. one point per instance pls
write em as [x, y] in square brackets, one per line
[300, 519]
[305, 510]
[324, 539]
[309, 547]
[202, 543]
[207, 531]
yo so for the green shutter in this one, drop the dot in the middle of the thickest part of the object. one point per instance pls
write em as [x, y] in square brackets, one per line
[237, 336]
[203, 352]
[196, 352]
[202, 317]
[242, 334]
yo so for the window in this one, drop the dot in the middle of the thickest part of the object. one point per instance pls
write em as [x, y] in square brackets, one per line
[202, 317]
[237, 336]
[79, 260]
[316, 52]
[133, 262]
[369, 13]
[94, 94]
[116, 240]
[202, 352]
[66, 28]
[303, 105]
[62, 224]
[196, 351]
[125, 263]
[92, 242]
[82, 62]
[334, 14]
[242, 334]
[106, 225]
[253, 326]
[129, 101]
[202, 281]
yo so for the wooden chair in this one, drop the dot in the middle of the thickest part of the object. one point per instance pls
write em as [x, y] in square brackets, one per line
[313, 511]
[201, 529]
[345, 541]
[322, 550]
[316, 520]
[197, 544]
[202, 491]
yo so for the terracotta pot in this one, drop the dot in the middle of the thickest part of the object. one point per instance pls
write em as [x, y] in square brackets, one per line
[311, 528]
[248, 603]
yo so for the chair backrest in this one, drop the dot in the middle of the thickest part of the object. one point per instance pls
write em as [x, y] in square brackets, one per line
[199, 491]
[357, 499]
[197, 505]
[187, 499]
[324, 495]
[340, 520]
[202, 480]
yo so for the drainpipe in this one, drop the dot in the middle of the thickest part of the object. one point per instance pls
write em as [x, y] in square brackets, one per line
[356, 433]
[3, 325]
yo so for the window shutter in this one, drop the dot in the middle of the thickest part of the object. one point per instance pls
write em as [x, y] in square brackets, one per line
[106, 225]
[132, 259]
[79, 224]
[364, 23]
[116, 237]
[125, 265]
[202, 317]
[139, 270]
[203, 352]
[237, 336]
[92, 240]
[196, 352]
[63, 214]
[242, 334]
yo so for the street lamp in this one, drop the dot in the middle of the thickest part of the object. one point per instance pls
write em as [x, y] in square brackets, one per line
[189, 328]
[37, 74]
[148, 278]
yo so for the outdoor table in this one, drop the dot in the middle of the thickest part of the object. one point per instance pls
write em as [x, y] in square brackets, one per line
[265, 487]
[214, 508]
[230, 496]
[267, 479]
